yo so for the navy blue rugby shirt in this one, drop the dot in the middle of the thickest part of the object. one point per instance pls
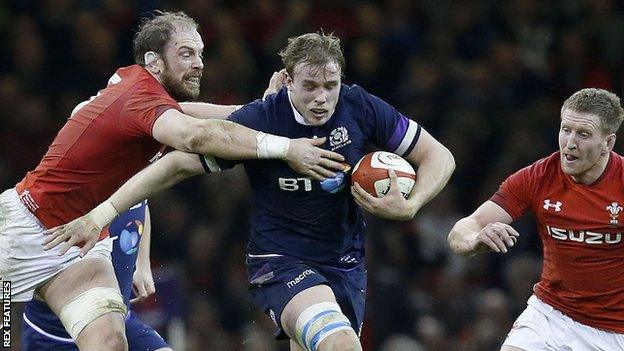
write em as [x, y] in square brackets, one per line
[300, 217]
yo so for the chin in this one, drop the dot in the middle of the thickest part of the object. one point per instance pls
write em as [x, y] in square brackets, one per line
[316, 122]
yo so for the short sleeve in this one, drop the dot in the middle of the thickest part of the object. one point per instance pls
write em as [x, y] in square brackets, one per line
[389, 129]
[143, 107]
[515, 193]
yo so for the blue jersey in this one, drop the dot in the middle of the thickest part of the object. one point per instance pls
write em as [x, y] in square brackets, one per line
[303, 218]
[126, 233]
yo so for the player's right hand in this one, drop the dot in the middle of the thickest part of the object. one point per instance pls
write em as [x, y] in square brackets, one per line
[82, 231]
[305, 157]
[497, 237]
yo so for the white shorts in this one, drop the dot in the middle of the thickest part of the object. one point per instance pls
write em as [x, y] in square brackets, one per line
[23, 261]
[542, 327]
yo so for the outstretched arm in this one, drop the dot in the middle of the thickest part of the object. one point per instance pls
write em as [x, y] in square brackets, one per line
[163, 174]
[233, 141]
[487, 229]
[205, 110]
[435, 166]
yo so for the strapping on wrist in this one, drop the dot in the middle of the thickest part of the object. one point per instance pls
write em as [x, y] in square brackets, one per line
[271, 146]
[103, 214]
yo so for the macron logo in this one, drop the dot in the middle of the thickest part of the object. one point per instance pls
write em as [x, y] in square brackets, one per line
[556, 206]
[299, 278]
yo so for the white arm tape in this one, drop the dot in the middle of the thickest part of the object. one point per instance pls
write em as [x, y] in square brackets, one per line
[103, 214]
[271, 146]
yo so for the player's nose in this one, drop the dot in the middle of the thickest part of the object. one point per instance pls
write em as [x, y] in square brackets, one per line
[321, 98]
[198, 63]
[570, 143]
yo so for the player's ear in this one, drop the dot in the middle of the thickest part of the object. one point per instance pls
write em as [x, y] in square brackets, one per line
[152, 62]
[289, 81]
[610, 142]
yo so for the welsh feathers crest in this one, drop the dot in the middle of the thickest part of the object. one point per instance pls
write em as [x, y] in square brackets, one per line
[614, 211]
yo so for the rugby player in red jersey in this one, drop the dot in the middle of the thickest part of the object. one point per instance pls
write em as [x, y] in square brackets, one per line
[107, 140]
[576, 197]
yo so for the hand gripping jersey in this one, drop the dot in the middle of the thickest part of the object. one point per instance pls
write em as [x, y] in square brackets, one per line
[101, 146]
[126, 233]
[581, 228]
[293, 215]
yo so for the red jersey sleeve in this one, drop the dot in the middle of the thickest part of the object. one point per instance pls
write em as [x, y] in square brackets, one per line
[146, 103]
[516, 192]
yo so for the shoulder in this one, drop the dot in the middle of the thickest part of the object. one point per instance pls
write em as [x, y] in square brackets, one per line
[541, 174]
[354, 93]
[617, 159]
[144, 87]
[273, 104]
[615, 167]
[544, 167]
[131, 74]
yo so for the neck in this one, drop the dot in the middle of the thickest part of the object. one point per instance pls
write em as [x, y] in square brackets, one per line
[157, 77]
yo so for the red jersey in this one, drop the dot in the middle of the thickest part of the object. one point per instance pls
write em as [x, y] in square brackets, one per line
[102, 145]
[581, 233]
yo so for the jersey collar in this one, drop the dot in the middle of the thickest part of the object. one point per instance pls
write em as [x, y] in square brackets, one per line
[298, 116]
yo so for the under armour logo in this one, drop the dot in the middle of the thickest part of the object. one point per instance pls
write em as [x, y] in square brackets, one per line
[556, 206]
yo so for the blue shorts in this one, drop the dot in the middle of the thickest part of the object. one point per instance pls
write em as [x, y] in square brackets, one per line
[274, 281]
[140, 338]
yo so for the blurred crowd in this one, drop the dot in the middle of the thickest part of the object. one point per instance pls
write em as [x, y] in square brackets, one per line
[487, 78]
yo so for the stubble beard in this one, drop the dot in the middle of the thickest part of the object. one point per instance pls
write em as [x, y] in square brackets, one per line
[176, 88]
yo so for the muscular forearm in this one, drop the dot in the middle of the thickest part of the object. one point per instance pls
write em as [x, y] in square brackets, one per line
[143, 256]
[208, 111]
[433, 173]
[233, 141]
[163, 174]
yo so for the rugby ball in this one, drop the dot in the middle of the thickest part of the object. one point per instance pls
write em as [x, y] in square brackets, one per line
[371, 173]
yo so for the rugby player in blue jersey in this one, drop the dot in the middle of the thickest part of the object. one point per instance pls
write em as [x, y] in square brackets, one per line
[42, 330]
[305, 254]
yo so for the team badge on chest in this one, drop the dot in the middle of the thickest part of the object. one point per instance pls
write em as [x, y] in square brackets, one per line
[614, 211]
[338, 138]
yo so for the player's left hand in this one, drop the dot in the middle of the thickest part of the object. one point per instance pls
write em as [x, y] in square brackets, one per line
[82, 232]
[392, 206]
[142, 284]
[277, 81]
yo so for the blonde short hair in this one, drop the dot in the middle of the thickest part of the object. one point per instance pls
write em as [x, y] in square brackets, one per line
[599, 102]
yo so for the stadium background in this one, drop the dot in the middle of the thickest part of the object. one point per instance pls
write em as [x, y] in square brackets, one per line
[487, 78]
